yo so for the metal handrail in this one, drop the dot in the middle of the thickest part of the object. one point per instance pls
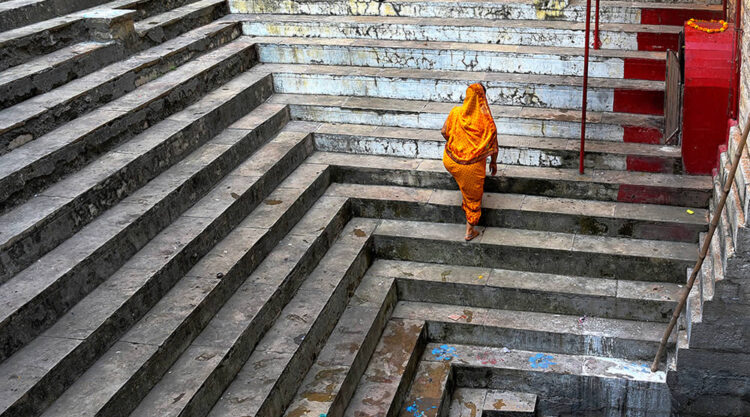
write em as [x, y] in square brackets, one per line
[584, 99]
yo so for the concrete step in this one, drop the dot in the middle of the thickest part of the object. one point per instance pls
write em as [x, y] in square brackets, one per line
[107, 311]
[181, 314]
[530, 291]
[266, 376]
[17, 13]
[429, 394]
[575, 10]
[544, 91]
[571, 383]
[33, 118]
[529, 212]
[492, 403]
[457, 56]
[50, 71]
[159, 28]
[588, 256]
[551, 33]
[148, 8]
[52, 216]
[514, 150]
[510, 120]
[34, 165]
[389, 372]
[622, 186]
[127, 227]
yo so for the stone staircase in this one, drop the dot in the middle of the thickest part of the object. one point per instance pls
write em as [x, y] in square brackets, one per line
[205, 213]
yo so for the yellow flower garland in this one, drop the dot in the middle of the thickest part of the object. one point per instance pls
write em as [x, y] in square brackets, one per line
[693, 24]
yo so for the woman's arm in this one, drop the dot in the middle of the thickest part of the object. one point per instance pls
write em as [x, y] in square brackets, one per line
[444, 130]
[493, 157]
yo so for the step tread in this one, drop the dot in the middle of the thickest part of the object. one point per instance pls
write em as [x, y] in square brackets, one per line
[468, 76]
[539, 239]
[467, 399]
[98, 307]
[178, 306]
[590, 176]
[462, 46]
[420, 106]
[175, 15]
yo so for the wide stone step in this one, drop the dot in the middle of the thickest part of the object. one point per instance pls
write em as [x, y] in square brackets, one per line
[492, 403]
[637, 221]
[53, 70]
[33, 166]
[159, 28]
[530, 291]
[544, 91]
[622, 186]
[33, 118]
[550, 33]
[266, 376]
[514, 150]
[517, 249]
[109, 309]
[165, 331]
[41, 223]
[510, 120]
[17, 13]
[148, 8]
[455, 56]
[575, 10]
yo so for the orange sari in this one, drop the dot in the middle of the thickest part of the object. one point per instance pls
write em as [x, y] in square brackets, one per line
[472, 137]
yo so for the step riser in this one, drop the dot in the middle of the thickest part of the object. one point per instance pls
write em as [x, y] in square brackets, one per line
[34, 177]
[148, 8]
[38, 11]
[445, 90]
[154, 36]
[430, 120]
[576, 394]
[531, 186]
[83, 278]
[42, 82]
[507, 256]
[19, 50]
[151, 372]
[449, 60]
[70, 368]
[533, 300]
[458, 10]
[512, 155]
[468, 34]
[118, 87]
[46, 235]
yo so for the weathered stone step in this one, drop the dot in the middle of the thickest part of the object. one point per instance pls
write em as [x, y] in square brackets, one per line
[526, 330]
[580, 255]
[148, 8]
[514, 150]
[530, 291]
[570, 383]
[34, 117]
[17, 13]
[266, 377]
[510, 120]
[90, 326]
[41, 223]
[492, 403]
[36, 164]
[170, 24]
[552, 33]
[126, 227]
[575, 10]
[637, 221]
[452, 56]
[545, 91]
[622, 186]
[50, 71]
[429, 394]
[170, 326]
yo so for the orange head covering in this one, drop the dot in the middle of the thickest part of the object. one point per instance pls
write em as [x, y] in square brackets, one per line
[471, 130]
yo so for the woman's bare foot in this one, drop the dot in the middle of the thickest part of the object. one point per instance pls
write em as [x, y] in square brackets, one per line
[471, 232]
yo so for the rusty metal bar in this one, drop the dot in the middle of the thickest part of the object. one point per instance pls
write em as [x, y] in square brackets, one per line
[706, 244]
[597, 40]
[584, 100]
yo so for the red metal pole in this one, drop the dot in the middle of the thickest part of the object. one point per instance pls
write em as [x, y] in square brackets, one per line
[597, 41]
[738, 58]
[584, 100]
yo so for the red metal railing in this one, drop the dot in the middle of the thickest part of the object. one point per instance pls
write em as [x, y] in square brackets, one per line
[584, 100]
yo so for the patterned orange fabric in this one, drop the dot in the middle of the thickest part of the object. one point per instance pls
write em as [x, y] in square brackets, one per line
[470, 179]
[472, 134]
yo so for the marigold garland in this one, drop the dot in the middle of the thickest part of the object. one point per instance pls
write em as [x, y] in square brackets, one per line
[693, 24]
